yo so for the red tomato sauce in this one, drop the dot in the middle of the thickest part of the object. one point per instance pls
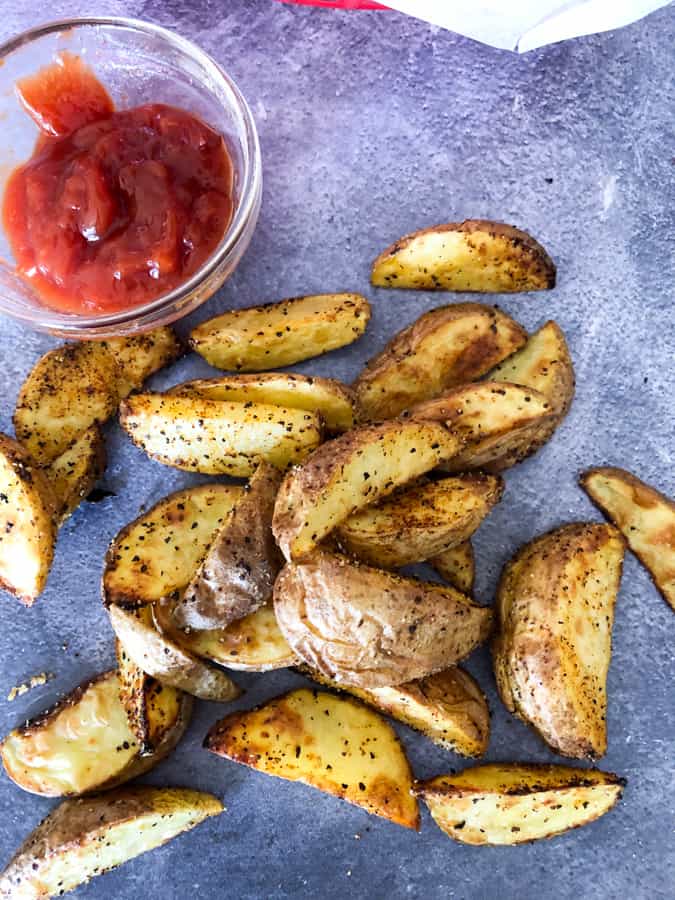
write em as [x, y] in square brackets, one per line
[114, 208]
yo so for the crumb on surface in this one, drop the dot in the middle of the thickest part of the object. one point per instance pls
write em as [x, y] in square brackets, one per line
[33, 682]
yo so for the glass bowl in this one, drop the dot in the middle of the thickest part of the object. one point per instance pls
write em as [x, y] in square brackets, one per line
[138, 63]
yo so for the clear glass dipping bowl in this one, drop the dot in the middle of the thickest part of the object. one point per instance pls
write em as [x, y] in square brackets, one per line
[138, 63]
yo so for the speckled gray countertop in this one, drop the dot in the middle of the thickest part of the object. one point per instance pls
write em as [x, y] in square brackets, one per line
[372, 125]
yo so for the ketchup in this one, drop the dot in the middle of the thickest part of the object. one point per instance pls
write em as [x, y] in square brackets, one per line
[114, 208]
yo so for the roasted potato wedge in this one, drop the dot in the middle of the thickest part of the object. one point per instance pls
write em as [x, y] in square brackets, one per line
[367, 628]
[449, 707]
[166, 660]
[237, 574]
[332, 399]
[445, 347]
[644, 516]
[157, 554]
[416, 523]
[139, 356]
[27, 529]
[138, 691]
[84, 837]
[456, 566]
[216, 437]
[512, 803]
[474, 255]
[332, 743]
[551, 654]
[74, 473]
[351, 472]
[281, 334]
[85, 742]
[499, 423]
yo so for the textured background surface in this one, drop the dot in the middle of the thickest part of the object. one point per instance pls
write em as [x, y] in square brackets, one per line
[373, 125]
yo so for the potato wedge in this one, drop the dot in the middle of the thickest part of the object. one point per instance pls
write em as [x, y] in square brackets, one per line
[84, 837]
[551, 654]
[445, 347]
[644, 516]
[512, 803]
[253, 644]
[367, 628]
[456, 566]
[416, 523]
[218, 438]
[165, 660]
[449, 707]
[137, 694]
[85, 743]
[281, 334]
[474, 255]
[332, 743]
[332, 399]
[27, 529]
[500, 423]
[74, 473]
[237, 574]
[351, 472]
[141, 355]
[157, 554]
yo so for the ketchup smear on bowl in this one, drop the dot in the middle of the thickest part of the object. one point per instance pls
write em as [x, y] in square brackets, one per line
[114, 208]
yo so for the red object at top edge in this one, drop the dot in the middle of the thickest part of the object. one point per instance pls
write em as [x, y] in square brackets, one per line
[338, 4]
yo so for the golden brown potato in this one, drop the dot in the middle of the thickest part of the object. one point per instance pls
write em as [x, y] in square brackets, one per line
[551, 654]
[474, 255]
[368, 628]
[216, 437]
[456, 566]
[88, 836]
[157, 554]
[416, 523]
[27, 529]
[511, 803]
[445, 347]
[141, 355]
[332, 399]
[332, 743]
[351, 472]
[85, 743]
[237, 574]
[136, 688]
[449, 707]
[281, 334]
[644, 516]
[74, 473]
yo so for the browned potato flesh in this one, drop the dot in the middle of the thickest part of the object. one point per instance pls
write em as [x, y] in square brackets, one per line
[281, 334]
[139, 356]
[474, 255]
[332, 743]
[74, 473]
[445, 347]
[456, 566]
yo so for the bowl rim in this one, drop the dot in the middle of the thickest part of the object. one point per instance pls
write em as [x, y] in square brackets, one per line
[247, 207]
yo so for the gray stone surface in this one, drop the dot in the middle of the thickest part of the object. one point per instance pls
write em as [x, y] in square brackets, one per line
[373, 125]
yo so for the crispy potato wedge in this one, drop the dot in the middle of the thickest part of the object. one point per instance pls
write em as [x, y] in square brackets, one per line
[367, 628]
[157, 554]
[416, 523]
[332, 743]
[512, 803]
[140, 356]
[85, 742]
[449, 707]
[166, 660]
[253, 644]
[644, 516]
[551, 654]
[216, 437]
[281, 334]
[474, 255]
[445, 347]
[74, 473]
[84, 837]
[351, 472]
[138, 691]
[27, 529]
[332, 399]
[500, 423]
[237, 574]
[456, 566]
